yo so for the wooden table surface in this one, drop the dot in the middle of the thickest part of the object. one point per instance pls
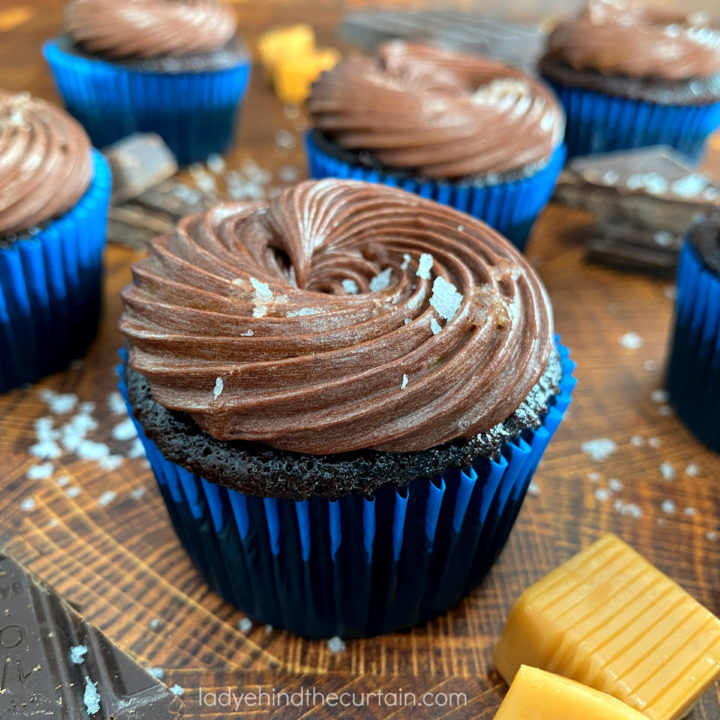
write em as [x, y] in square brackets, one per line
[102, 537]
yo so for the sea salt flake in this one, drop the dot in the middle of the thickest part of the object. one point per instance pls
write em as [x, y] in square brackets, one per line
[404, 382]
[637, 441]
[405, 262]
[690, 511]
[712, 535]
[156, 672]
[263, 293]
[631, 341]
[654, 442]
[602, 494]
[303, 312]
[665, 410]
[667, 471]
[27, 504]
[77, 654]
[59, 404]
[336, 644]
[40, 472]
[154, 624]
[615, 485]
[215, 163]
[659, 396]
[445, 298]
[91, 697]
[594, 477]
[46, 450]
[285, 139]
[424, 266]
[381, 281]
[599, 449]
[692, 470]
[125, 430]
[690, 185]
[219, 386]
[106, 498]
[73, 491]
[177, 690]
[350, 286]
[533, 489]
[668, 506]
[663, 238]
[651, 365]
[245, 625]
[628, 509]
[247, 333]
[138, 493]
[435, 326]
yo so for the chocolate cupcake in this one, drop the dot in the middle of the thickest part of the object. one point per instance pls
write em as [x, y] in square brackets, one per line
[174, 67]
[631, 77]
[343, 394]
[694, 369]
[468, 132]
[54, 195]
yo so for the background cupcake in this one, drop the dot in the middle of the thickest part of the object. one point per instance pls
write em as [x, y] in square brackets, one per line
[174, 67]
[54, 195]
[694, 370]
[343, 395]
[463, 130]
[630, 77]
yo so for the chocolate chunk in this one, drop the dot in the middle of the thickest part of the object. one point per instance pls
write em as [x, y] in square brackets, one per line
[139, 162]
[643, 200]
[517, 44]
[55, 665]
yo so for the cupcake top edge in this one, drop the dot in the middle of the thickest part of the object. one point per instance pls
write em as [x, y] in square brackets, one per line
[443, 114]
[614, 38]
[45, 162]
[336, 317]
[149, 28]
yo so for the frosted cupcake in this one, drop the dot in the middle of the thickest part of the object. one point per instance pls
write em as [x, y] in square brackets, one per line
[54, 195]
[635, 76]
[482, 137]
[343, 394]
[174, 67]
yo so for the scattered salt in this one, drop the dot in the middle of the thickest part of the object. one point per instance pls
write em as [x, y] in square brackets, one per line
[245, 625]
[302, 312]
[77, 654]
[665, 410]
[692, 470]
[711, 535]
[63, 480]
[156, 672]
[381, 281]
[602, 494]
[599, 449]
[630, 509]
[668, 506]
[138, 493]
[219, 386]
[690, 185]
[177, 690]
[615, 485]
[125, 430]
[116, 404]
[670, 291]
[336, 644]
[651, 365]
[349, 286]
[533, 488]
[288, 174]
[268, 629]
[445, 298]
[106, 498]
[215, 163]
[285, 139]
[154, 624]
[631, 341]
[594, 477]
[73, 491]
[424, 266]
[91, 697]
[637, 441]
[667, 471]
[654, 442]
[690, 511]
[40, 472]
[405, 262]
[435, 326]
[59, 404]
[27, 504]
[659, 396]
[404, 382]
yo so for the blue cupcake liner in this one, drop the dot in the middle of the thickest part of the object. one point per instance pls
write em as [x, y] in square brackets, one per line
[693, 379]
[50, 288]
[600, 123]
[509, 207]
[195, 113]
[356, 566]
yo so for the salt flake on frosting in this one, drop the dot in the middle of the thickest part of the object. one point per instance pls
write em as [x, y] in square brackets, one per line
[219, 387]
[381, 281]
[349, 286]
[445, 298]
[424, 266]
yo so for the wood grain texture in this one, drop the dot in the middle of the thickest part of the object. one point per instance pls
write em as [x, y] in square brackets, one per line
[117, 558]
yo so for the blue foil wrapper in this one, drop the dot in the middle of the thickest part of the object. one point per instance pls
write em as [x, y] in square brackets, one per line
[194, 113]
[509, 207]
[693, 378]
[356, 566]
[599, 123]
[50, 288]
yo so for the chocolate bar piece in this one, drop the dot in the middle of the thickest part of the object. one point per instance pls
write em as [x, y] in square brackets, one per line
[643, 200]
[517, 44]
[138, 162]
[55, 665]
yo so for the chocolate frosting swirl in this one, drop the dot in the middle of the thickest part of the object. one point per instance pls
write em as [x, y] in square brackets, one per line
[612, 38]
[45, 162]
[149, 28]
[339, 316]
[442, 114]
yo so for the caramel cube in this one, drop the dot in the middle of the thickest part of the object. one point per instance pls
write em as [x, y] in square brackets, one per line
[539, 695]
[610, 620]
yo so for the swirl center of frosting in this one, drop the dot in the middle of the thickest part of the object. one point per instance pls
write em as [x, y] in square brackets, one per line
[442, 114]
[339, 316]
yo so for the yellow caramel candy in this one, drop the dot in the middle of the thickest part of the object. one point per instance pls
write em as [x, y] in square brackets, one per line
[294, 75]
[285, 42]
[539, 695]
[610, 620]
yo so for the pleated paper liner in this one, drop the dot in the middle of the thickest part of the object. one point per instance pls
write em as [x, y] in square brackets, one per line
[50, 288]
[509, 207]
[694, 371]
[599, 123]
[194, 112]
[355, 566]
